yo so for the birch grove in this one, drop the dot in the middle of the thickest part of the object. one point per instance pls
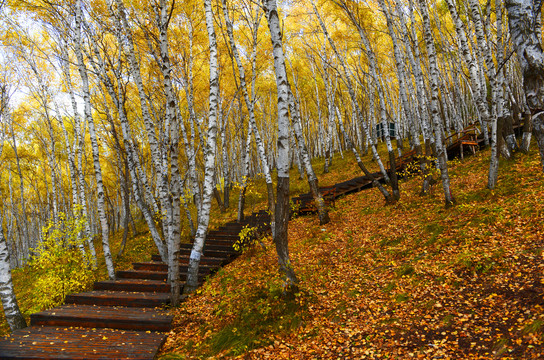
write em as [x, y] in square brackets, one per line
[137, 114]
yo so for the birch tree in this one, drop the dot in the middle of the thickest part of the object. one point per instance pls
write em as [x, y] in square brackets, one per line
[250, 104]
[522, 19]
[282, 190]
[92, 132]
[440, 148]
[74, 152]
[209, 151]
[305, 159]
[351, 90]
[7, 294]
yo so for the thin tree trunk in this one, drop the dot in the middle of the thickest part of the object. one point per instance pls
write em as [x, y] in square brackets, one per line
[210, 150]
[523, 16]
[96, 157]
[323, 214]
[388, 198]
[245, 174]
[282, 190]
[23, 215]
[13, 315]
[250, 102]
[439, 146]
[527, 130]
[351, 90]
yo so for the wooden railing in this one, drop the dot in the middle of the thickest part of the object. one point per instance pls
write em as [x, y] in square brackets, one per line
[466, 137]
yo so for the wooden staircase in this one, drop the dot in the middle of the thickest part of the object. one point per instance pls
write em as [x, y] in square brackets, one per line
[122, 318]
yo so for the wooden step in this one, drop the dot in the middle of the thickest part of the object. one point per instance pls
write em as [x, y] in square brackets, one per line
[119, 298]
[159, 266]
[150, 266]
[114, 317]
[241, 225]
[204, 260]
[227, 242]
[142, 274]
[210, 247]
[48, 342]
[216, 235]
[212, 253]
[226, 231]
[212, 262]
[134, 285]
[155, 275]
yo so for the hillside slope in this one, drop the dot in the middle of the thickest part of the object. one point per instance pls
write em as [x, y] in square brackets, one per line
[409, 280]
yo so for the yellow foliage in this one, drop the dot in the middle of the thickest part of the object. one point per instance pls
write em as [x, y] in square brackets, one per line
[58, 259]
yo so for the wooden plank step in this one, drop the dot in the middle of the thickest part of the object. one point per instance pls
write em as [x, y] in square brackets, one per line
[214, 242]
[142, 274]
[227, 242]
[213, 253]
[210, 247]
[221, 235]
[115, 317]
[159, 266]
[204, 260]
[210, 261]
[119, 298]
[469, 142]
[240, 225]
[140, 285]
[230, 230]
[47, 342]
[155, 275]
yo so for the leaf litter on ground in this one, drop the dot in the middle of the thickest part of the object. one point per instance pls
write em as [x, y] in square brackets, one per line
[412, 280]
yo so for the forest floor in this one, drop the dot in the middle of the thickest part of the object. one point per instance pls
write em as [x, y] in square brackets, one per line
[411, 280]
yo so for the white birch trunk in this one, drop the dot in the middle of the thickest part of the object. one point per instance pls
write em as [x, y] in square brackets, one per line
[94, 143]
[422, 90]
[351, 90]
[245, 173]
[250, 105]
[282, 195]
[210, 151]
[351, 145]
[22, 218]
[132, 157]
[496, 89]
[437, 122]
[13, 315]
[305, 158]
[401, 72]
[172, 129]
[523, 15]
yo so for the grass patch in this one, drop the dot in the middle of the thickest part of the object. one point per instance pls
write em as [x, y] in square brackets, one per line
[434, 230]
[535, 327]
[268, 311]
[405, 270]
